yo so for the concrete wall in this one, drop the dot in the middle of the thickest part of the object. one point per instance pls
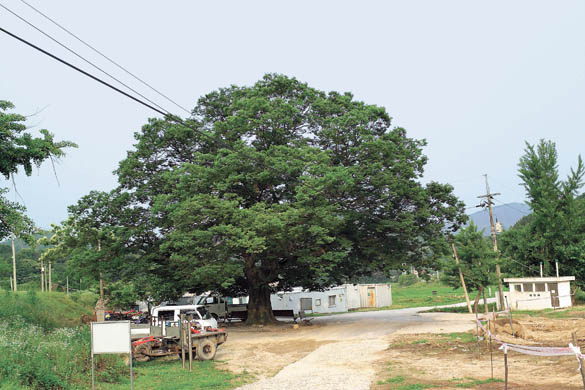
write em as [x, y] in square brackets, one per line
[565, 295]
[537, 300]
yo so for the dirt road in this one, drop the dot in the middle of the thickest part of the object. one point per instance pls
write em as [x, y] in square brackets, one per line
[337, 352]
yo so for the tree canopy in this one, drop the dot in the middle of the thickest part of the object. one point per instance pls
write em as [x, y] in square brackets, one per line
[556, 228]
[19, 149]
[273, 186]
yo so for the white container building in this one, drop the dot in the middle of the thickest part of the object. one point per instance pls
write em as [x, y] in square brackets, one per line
[337, 299]
[538, 293]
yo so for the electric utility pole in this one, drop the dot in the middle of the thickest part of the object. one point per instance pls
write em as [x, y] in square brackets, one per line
[490, 196]
[15, 288]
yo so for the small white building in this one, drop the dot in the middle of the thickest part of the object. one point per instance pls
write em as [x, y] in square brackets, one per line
[337, 299]
[538, 293]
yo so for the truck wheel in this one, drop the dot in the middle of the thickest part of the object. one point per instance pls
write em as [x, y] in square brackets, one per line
[140, 353]
[206, 350]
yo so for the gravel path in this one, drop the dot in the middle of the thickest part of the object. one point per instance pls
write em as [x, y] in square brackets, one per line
[345, 365]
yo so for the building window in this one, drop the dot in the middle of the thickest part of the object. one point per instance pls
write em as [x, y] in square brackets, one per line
[528, 287]
[317, 302]
[540, 287]
[517, 288]
[331, 300]
[306, 304]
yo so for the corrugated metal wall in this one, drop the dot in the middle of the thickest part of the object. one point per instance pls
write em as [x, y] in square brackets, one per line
[375, 295]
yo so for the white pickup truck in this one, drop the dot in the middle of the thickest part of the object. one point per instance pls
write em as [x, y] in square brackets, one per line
[173, 313]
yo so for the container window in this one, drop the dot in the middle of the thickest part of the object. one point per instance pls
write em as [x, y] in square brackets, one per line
[331, 300]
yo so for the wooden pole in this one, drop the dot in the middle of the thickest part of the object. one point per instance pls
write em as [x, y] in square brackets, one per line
[14, 284]
[50, 277]
[491, 351]
[67, 283]
[485, 304]
[489, 197]
[101, 274]
[183, 341]
[42, 276]
[461, 277]
[190, 338]
[574, 335]
[477, 333]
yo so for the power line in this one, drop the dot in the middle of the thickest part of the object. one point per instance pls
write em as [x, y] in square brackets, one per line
[80, 56]
[82, 71]
[106, 57]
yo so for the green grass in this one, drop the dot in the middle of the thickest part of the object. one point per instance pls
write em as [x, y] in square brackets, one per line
[478, 382]
[571, 312]
[44, 309]
[461, 309]
[167, 375]
[421, 294]
[396, 379]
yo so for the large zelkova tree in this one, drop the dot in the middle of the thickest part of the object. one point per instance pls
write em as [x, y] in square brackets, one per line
[556, 228]
[274, 186]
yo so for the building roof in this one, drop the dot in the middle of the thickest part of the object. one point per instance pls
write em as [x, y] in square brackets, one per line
[548, 279]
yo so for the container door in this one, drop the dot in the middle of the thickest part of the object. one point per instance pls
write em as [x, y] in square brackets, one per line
[371, 296]
[554, 294]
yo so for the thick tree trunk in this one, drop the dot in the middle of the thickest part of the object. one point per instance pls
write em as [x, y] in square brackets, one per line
[259, 307]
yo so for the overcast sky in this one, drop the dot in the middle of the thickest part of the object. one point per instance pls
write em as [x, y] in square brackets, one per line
[476, 79]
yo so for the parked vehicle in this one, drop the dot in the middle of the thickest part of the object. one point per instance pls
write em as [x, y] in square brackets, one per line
[222, 308]
[204, 343]
[200, 313]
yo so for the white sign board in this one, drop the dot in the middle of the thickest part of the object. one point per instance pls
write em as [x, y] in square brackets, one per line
[110, 337]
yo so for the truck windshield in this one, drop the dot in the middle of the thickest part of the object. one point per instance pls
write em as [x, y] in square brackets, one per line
[204, 313]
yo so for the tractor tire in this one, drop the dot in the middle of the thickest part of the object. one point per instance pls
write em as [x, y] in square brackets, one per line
[206, 350]
[140, 352]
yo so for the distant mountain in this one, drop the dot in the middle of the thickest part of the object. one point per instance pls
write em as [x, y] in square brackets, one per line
[507, 214]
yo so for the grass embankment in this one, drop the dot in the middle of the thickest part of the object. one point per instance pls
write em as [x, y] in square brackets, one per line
[44, 346]
[421, 294]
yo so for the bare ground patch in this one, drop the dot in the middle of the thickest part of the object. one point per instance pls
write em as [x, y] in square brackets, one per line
[451, 361]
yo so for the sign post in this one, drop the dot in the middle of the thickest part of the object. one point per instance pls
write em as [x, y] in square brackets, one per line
[111, 337]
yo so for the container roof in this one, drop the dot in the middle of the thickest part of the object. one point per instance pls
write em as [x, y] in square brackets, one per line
[548, 279]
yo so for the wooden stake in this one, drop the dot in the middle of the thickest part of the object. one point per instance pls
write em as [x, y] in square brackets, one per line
[505, 368]
[190, 346]
[461, 277]
[574, 335]
[182, 341]
[477, 333]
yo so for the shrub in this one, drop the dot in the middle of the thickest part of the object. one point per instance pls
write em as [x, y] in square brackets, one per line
[407, 280]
